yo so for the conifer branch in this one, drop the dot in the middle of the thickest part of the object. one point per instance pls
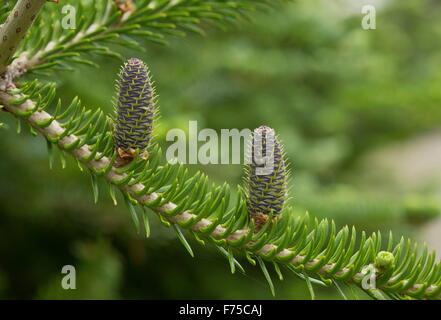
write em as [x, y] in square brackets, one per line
[122, 23]
[368, 256]
[316, 249]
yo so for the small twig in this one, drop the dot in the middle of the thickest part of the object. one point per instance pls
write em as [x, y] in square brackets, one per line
[16, 27]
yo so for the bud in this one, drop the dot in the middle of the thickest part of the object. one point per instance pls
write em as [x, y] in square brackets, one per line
[135, 111]
[384, 259]
[266, 176]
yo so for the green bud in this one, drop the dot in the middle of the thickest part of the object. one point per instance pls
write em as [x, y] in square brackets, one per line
[384, 259]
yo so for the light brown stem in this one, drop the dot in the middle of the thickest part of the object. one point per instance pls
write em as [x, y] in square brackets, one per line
[16, 27]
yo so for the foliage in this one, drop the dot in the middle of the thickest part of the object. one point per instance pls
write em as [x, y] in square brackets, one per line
[314, 250]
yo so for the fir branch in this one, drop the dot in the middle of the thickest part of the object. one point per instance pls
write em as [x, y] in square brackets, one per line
[402, 272]
[108, 24]
[307, 249]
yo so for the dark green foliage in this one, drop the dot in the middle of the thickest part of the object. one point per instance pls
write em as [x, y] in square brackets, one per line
[135, 108]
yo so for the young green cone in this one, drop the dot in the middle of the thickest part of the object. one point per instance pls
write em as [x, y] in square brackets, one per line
[266, 176]
[135, 111]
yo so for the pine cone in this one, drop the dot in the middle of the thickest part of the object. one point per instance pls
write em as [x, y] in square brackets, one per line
[266, 176]
[135, 110]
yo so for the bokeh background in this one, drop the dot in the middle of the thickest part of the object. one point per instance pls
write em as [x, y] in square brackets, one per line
[359, 113]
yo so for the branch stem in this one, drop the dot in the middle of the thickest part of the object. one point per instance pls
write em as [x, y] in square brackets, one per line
[16, 27]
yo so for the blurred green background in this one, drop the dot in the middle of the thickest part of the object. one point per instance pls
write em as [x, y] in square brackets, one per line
[359, 113]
